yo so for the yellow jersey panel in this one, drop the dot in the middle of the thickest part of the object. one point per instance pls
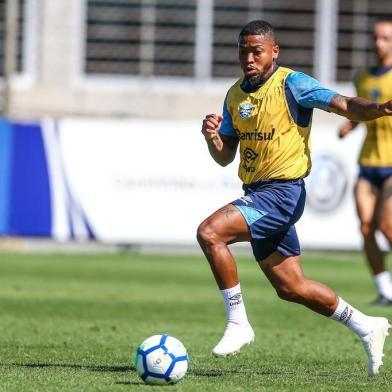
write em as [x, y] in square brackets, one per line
[272, 145]
[377, 146]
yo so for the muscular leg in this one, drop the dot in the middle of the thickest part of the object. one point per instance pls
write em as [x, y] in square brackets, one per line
[286, 276]
[223, 227]
[367, 201]
[383, 280]
[386, 210]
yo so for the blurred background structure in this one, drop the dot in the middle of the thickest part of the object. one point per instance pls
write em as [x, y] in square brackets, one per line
[114, 91]
[105, 57]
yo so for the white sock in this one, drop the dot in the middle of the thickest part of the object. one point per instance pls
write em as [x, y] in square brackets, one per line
[352, 318]
[384, 284]
[235, 308]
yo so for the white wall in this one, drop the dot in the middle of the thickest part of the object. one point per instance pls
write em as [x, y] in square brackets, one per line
[153, 181]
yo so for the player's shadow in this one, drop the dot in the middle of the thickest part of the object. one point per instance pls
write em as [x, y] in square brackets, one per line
[228, 372]
[124, 369]
[92, 368]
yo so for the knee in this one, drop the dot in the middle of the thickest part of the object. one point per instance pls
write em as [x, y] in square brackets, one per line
[206, 234]
[386, 228]
[290, 293]
[367, 230]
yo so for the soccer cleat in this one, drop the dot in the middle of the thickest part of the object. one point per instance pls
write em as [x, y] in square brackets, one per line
[381, 300]
[374, 344]
[234, 338]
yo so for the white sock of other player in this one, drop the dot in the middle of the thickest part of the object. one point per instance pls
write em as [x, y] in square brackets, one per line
[352, 318]
[384, 284]
[235, 308]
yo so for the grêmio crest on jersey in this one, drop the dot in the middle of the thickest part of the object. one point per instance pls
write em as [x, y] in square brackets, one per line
[245, 110]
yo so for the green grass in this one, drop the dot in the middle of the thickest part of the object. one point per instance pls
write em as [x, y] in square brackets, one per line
[73, 323]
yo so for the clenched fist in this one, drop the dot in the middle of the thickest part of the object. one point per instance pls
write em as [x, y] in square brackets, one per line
[211, 126]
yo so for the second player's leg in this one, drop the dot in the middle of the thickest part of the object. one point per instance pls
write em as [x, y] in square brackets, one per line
[386, 210]
[383, 279]
[366, 199]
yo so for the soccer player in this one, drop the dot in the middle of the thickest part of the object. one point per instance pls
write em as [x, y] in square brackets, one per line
[268, 114]
[373, 189]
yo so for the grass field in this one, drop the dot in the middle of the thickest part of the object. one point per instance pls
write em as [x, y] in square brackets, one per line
[73, 323]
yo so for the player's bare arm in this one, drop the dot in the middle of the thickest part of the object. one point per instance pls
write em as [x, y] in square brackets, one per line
[222, 148]
[359, 109]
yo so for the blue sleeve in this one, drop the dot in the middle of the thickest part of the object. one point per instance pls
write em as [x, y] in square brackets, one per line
[308, 92]
[227, 128]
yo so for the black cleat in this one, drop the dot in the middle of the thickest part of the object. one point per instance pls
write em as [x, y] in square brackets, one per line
[381, 300]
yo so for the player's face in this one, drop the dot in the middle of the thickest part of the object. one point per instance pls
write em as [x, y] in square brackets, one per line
[257, 54]
[383, 40]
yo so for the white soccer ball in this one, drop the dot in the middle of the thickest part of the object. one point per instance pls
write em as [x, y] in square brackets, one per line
[161, 359]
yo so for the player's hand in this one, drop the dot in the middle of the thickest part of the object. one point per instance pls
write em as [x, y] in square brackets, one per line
[387, 108]
[211, 126]
[345, 129]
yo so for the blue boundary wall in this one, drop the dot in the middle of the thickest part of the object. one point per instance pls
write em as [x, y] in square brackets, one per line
[5, 173]
[25, 205]
[30, 212]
